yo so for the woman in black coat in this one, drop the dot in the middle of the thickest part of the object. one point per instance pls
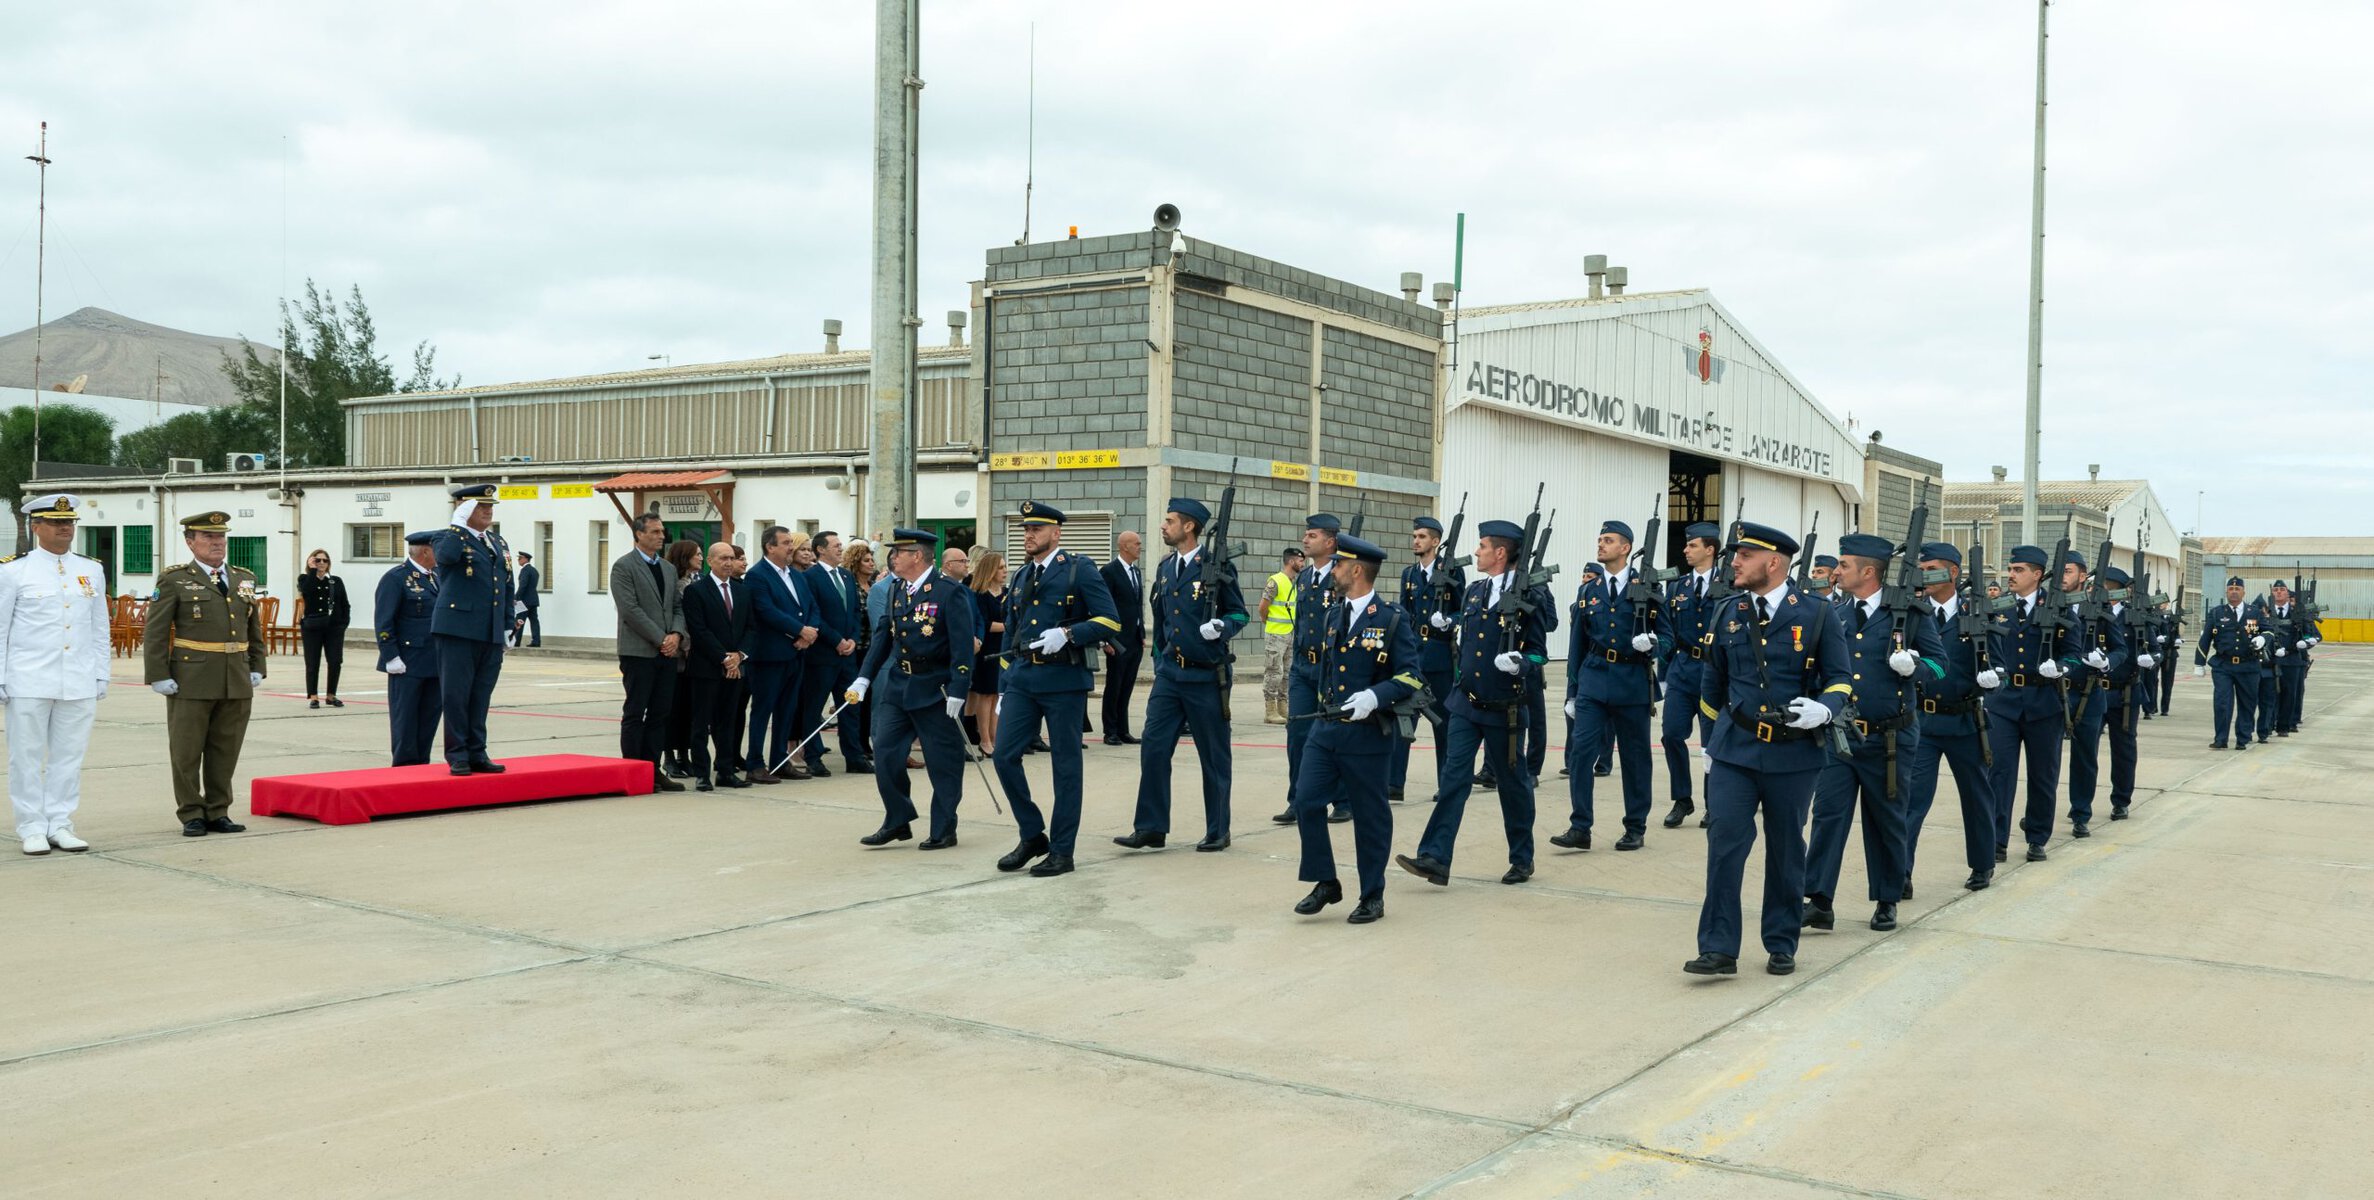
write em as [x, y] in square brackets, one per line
[326, 616]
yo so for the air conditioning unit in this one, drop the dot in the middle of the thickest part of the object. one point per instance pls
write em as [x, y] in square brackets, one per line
[184, 466]
[246, 462]
[515, 458]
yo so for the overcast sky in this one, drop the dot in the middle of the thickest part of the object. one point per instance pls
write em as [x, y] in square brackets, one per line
[543, 189]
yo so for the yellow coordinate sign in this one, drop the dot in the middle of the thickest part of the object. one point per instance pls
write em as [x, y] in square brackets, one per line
[1288, 470]
[572, 491]
[1338, 477]
[1058, 460]
[517, 491]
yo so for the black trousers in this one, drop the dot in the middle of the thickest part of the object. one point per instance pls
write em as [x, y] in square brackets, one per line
[1121, 680]
[650, 696]
[323, 641]
[681, 730]
[533, 633]
[716, 712]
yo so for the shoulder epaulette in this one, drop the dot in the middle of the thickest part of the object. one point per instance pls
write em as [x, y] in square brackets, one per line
[9, 558]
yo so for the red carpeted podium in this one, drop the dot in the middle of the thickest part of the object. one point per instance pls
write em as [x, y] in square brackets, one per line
[353, 797]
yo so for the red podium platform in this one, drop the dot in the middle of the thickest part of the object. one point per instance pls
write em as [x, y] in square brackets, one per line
[353, 797]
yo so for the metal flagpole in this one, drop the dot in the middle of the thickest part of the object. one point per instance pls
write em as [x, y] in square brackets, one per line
[2035, 298]
[39, 157]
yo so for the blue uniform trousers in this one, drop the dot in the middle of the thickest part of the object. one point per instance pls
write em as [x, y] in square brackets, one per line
[2291, 685]
[1019, 713]
[2040, 737]
[1357, 778]
[1861, 780]
[1970, 781]
[1196, 706]
[2122, 754]
[896, 730]
[1302, 696]
[2237, 698]
[856, 736]
[1450, 801]
[1734, 795]
[1594, 723]
[467, 668]
[774, 692]
[412, 707]
[1438, 718]
[2085, 753]
[1681, 712]
[2270, 701]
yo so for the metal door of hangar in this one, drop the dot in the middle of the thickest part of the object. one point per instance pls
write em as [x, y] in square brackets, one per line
[1694, 494]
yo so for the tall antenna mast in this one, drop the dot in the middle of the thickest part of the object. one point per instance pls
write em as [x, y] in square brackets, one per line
[284, 317]
[1030, 135]
[2028, 499]
[39, 157]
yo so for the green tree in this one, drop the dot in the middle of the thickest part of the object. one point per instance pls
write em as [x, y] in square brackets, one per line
[70, 433]
[206, 436]
[333, 356]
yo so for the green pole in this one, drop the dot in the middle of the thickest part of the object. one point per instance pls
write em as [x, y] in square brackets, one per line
[1459, 256]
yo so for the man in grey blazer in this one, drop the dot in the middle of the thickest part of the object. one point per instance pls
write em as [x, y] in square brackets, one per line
[651, 637]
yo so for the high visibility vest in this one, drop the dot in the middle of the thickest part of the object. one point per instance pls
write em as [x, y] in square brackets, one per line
[1281, 606]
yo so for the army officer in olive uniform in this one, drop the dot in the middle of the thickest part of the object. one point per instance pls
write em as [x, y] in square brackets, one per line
[204, 652]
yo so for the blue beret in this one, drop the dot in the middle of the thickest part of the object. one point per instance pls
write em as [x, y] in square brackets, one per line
[1764, 537]
[1825, 560]
[2120, 578]
[1502, 529]
[484, 493]
[913, 538]
[1193, 510]
[1427, 523]
[1703, 529]
[420, 537]
[1867, 545]
[1323, 521]
[1942, 552]
[2074, 557]
[2031, 555]
[2236, 582]
[1348, 546]
[1039, 512]
[1617, 528]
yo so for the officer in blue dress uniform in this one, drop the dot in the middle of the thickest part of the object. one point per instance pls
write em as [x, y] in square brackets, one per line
[2127, 683]
[1884, 672]
[1776, 673]
[473, 616]
[1611, 685]
[1057, 606]
[2091, 666]
[1196, 617]
[1950, 708]
[922, 651]
[402, 611]
[1823, 567]
[1314, 592]
[1369, 663]
[2025, 712]
[2231, 644]
[1686, 620]
[1487, 712]
[1430, 594]
[2291, 659]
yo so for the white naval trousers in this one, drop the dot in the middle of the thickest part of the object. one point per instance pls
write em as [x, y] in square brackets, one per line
[46, 741]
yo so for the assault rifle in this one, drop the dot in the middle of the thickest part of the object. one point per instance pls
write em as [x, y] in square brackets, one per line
[1719, 588]
[2093, 616]
[2057, 615]
[1359, 518]
[1644, 593]
[1901, 599]
[1516, 607]
[1450, 567]
[1219, 575]
[1805, 579]
[1975, 623]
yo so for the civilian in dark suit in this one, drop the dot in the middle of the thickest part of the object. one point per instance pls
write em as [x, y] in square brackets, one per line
[839, 589]
[1127, 649]
[650, 606]
[836, 640]
[718, 619]
[529, 623]
[786, 627]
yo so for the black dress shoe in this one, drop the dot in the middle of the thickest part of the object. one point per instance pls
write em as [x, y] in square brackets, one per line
[1425, 868]
[1883, 918]
[1286, 817]
[2002, 854]
[1392, 795]
[486, 766]
[1630, 841]
[1819, 916]
[665, 784]
[1020, 856]
[2035, 854]
[1337, 816]
[1038, 745]
[1603, 770]
[1575, 838]
[335, 702]
[1711, 963]
[888, 834]
[1324, 893]
[313, 704]
[193, 829]
[937, 843]
[2118, 812]
[702, 786]
[1370, 908]
[1210, 844]
[224, 825]
[1517, 873]
[2217, 745]
[1486, 783]
[1681, 809]
[819, 770]
[458, 769]
[1979, 880]
[1053, 865]
[2080, 829]
[1781, 964]
[675, 769]
[1143, 839]
[861, 766]
[731, 781]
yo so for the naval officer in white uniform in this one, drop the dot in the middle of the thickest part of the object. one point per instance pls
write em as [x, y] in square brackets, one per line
[53, 669]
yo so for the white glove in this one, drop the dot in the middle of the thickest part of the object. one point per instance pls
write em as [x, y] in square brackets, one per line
[1214, 629]
[518, 607]
[1439, 621]
[1990, 679]
[2302, 644]
[395, 666]
[102, 691]
[1902, 662]
[1051, 641]
[2258, 641]
[999, 708]
[255, 679]
[2199, 670]
[1362, 705]
[2147, 661]
[1570, 710]
[462, 511]
[1811, 713]
[1660, 689]
[2050, 668]
[164, 687]
[2314, 640]
[1510, 663]
[955, 706]
[1643, 642]
[2163, 639]
[2280, 651]
[2097, 660]
[857, 691]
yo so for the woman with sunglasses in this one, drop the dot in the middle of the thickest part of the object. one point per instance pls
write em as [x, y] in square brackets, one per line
[323, 615]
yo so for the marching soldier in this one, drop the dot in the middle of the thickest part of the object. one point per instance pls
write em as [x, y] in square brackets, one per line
[1949, 723]
[1686, 607]
[2090, 666]
[54, 659]
[1496, 645]
[925, 638]
[203, 650]
[2025, 706]
[1776, 673]
[1197, 614]
[1611, 685]
[1823, 569]
[1430, 594]
[2229, 650]
[2128, 682]
[1882, 665]
[1057, 606]
[1314, 592]
[473, 616]
[1369, 664]
[401, 613]
[2171, 639]
[2291, 659]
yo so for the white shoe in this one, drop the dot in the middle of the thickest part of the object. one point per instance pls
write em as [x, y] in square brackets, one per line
[68, 843]
[36, 845]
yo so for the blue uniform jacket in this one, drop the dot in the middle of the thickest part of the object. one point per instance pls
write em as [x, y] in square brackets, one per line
[782, 612]
[1068, 592]
[2110, 637]
[1804, 654]
[1373, 650]
[1950, 696]
[1601, 664]
[1485, 693]
[473, 586]
[1180, 609]
[1314, 594]
[1881, 694]
[1686, 623]
[926, 641]
[2020, 644]
[1422, 598]
[402, 611]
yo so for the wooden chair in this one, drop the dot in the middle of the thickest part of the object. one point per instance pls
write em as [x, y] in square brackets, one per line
[278, 638]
